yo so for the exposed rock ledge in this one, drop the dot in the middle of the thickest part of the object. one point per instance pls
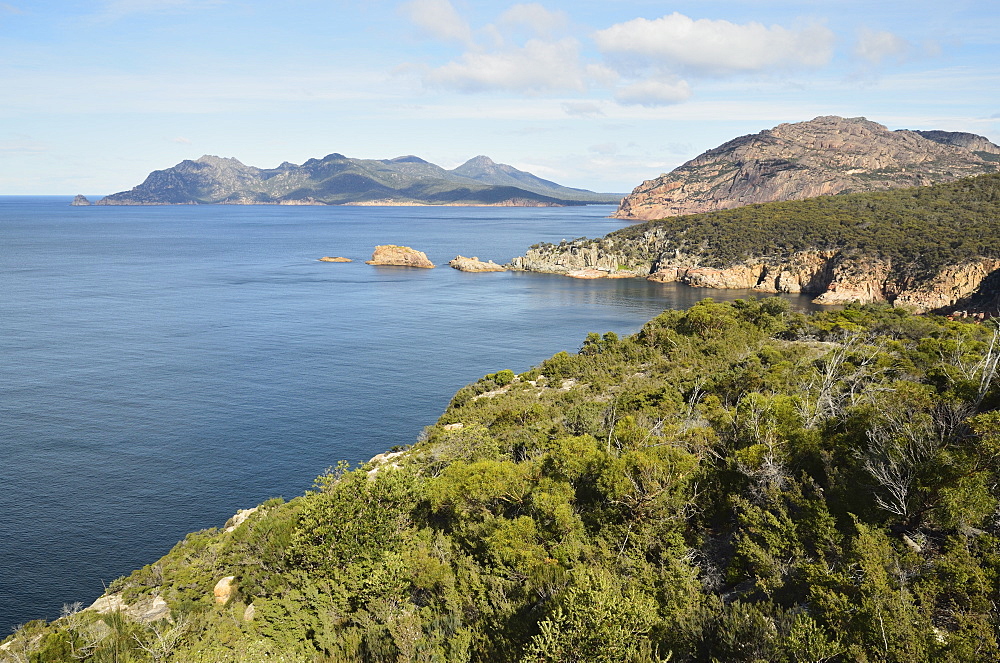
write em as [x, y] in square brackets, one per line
[474, 264]
[334, 259]
[399, 256]
[835, 277]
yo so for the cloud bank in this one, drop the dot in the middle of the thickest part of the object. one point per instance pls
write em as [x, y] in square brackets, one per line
[716, 48]
[642, 62]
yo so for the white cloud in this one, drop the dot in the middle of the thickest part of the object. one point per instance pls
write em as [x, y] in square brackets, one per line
[654, 92]
[585, 109]
[878, 47]
[181, 140]
[22, 146]
[604, 148]
[537, 67]
[715, 47]
[535, 17]
[439, 19]
[10, 9]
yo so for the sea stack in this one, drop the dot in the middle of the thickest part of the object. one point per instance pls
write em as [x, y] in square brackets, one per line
[80, 201]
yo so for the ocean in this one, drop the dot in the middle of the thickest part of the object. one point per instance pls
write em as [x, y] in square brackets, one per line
[162, 367]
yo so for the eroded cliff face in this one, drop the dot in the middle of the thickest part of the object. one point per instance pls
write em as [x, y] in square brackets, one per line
[835, 277]
[827, 155]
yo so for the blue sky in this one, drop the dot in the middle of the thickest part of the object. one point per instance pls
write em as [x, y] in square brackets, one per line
[599, 94]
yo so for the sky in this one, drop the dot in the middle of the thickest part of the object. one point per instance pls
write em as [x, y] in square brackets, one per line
[598, 94]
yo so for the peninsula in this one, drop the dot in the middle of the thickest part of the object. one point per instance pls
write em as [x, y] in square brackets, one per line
[934, 248]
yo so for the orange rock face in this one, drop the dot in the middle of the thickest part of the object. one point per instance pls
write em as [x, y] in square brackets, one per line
[399, 256]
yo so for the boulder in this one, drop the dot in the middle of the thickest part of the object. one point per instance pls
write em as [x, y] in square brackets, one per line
[149, 610]
[238, 518]
[108, 603]
[224, 590]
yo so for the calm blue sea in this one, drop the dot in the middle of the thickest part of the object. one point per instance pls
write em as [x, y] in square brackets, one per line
[162, 367]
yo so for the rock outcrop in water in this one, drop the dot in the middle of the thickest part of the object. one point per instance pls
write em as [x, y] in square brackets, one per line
[474, 264]
[80, 201]
[825, 156]
[399, 256]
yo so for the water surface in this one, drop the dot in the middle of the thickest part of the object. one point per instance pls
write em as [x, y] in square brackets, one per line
[163, 367]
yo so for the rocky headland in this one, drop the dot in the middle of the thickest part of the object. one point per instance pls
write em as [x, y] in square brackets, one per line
[824, 156]
[399, 256]
[929, 249]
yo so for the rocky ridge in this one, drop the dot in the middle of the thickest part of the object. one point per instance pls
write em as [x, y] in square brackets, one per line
[339, 180]
[824, 156]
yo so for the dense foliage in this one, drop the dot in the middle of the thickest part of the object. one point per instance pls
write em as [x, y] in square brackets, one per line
[733, 483]
[926, 227]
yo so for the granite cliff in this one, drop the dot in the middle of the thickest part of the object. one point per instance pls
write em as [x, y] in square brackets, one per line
[825, 156]
[933, 248]
[339, 180]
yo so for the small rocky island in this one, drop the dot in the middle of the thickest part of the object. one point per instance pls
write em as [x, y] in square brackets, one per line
[399, 256]
[334, 259]
[80, 201]
[474, 264]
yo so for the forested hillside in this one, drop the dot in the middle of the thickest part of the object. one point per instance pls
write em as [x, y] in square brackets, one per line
[926, 227]
[735, 482]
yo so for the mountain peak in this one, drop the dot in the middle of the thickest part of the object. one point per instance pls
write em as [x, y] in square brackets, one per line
[481, 161]
[823, 156]
[409, 158]
[218, 162]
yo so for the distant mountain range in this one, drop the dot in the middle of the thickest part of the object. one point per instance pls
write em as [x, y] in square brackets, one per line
[824, 156]
[339, 180]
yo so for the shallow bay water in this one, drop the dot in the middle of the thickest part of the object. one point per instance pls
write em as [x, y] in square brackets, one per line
[162, 367]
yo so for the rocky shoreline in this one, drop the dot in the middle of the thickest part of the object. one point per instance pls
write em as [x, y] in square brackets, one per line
[835, 277]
